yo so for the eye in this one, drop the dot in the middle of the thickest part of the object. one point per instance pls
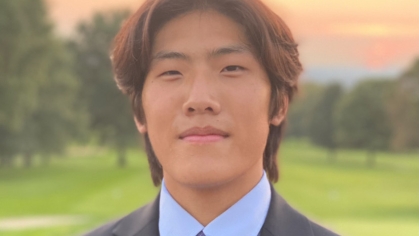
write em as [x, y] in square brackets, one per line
[233, 69]
[171, 72]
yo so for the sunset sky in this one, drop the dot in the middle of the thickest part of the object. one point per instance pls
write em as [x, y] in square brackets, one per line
[372, 34]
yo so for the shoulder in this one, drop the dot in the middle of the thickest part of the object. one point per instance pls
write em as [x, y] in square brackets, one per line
[143, 218]
[320, 230]
[301, 221]
[104, 230]
[282, 219]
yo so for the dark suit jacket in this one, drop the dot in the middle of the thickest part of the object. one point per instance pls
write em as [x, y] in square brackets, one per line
[282, 220]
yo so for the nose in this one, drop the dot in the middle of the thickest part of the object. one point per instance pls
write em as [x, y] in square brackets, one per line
[201, 99]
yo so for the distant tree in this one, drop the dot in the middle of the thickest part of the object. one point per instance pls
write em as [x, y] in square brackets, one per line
[362, 119]
[109, 110]
[404, 109]
[301, 110]
[8, 146]
[37, 89]
[322, 127]
[17, 89]
[58, 119]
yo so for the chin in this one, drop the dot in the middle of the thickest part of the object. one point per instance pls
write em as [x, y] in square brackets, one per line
[204, 177]
[205, 183]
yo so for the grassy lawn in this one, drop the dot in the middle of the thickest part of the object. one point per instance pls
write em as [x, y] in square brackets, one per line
[349, 197]
[345, 196]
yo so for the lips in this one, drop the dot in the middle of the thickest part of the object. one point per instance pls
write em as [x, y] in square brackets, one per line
[206, 134]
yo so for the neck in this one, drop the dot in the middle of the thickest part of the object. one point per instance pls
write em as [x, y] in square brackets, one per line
[207, 203]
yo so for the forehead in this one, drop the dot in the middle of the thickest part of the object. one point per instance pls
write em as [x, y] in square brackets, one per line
[199, 30]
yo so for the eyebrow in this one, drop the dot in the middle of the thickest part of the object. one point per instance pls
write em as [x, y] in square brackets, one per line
[170, 55]
[230, 50]
[214, 53]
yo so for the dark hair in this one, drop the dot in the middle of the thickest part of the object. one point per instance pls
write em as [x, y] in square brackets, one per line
[269, 35]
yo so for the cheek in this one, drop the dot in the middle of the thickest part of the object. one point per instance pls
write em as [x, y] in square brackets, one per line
[160, 109]
[250, 104]
[159, 103]
[250, 107]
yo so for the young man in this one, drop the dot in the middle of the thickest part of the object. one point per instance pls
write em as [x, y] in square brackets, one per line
[210, 82]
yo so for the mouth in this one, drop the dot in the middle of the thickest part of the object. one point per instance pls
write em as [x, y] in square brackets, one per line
[207, 134]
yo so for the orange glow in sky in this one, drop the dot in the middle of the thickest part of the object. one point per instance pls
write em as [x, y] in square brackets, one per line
[370, 33]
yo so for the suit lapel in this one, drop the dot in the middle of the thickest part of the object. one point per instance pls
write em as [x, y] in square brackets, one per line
[283, 220]
[142, 222]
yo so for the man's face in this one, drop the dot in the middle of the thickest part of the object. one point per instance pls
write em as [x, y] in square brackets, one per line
[206, 100]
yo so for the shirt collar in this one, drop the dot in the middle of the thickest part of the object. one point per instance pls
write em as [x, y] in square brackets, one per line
[173, 219]
[245, 217]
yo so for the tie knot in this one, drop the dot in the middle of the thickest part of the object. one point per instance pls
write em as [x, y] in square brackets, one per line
[200, 234]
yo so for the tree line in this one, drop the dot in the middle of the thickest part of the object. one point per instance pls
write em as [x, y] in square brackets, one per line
[56, 92]
[378, 114]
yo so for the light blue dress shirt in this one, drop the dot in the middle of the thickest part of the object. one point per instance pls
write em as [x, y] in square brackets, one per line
[244, 218]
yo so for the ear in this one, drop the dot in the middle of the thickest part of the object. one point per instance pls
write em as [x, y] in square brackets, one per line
[282, 112]
[140, 127]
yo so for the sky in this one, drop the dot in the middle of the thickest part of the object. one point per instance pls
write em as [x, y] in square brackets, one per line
[375, 35]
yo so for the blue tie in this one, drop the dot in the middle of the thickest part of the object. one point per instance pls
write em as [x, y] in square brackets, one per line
[200, 234]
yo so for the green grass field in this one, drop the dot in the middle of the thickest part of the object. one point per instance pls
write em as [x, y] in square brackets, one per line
[345, 196]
